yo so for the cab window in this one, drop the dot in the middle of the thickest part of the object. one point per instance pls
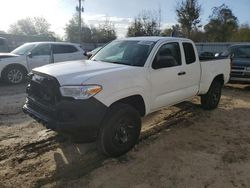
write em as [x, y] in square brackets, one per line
[167, 56]
[189, 53]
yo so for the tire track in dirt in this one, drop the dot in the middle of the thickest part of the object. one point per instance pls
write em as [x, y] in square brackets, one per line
[49, 141]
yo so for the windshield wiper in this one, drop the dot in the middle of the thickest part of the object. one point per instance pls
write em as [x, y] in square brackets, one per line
[117, 62]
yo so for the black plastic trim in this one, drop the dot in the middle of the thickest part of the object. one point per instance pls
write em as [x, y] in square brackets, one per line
[69, 116]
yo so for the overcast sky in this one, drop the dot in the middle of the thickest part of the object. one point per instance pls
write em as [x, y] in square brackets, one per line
[121, 12]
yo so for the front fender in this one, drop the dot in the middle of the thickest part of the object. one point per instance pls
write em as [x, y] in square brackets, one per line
[115, 96]
[13, 61]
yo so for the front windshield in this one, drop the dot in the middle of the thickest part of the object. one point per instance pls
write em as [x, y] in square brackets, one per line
[95, 50]
[134, 53]
[21, 50]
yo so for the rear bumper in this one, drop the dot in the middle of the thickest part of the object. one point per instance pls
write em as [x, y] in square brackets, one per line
[81, 117]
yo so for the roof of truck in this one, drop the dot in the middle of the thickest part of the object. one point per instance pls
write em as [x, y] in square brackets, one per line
[156, 38]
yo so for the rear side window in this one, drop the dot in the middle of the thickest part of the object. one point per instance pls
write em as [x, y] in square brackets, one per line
[62, 49]
[189, 53]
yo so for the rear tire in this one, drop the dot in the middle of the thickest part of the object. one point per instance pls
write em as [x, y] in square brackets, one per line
[120, 130]
[14, 74]
[211, 99]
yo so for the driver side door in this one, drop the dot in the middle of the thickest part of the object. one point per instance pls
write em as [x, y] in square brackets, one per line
[39, 56]
[167, 76]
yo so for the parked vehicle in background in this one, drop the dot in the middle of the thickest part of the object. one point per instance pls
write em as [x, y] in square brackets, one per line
[240, 54]
[3, 45]
[105, 97]
[15, 65]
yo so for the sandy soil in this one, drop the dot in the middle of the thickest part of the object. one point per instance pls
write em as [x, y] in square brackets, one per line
[180, 146]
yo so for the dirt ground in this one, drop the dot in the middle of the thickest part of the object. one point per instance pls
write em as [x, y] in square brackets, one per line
[180, 146]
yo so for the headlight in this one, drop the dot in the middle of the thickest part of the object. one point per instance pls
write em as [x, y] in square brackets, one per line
[80, 92]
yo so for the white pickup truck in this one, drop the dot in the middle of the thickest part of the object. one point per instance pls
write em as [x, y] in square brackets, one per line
[105, 97]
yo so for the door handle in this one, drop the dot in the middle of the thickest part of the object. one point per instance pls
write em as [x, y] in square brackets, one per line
[181, 73]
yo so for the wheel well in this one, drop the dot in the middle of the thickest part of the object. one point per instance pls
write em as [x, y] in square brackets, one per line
[135, 101]
[14, 65]
[219, 78]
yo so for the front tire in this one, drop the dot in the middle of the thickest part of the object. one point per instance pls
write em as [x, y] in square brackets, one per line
[211, 99]
[120, 130]
[13, 75]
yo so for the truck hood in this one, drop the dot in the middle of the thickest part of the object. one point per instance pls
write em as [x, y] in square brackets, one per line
[7, 55]
[78, 72]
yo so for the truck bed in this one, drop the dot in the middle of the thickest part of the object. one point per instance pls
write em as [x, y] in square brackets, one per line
[210, 69]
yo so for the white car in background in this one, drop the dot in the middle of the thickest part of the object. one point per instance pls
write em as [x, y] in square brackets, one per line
[15, 65]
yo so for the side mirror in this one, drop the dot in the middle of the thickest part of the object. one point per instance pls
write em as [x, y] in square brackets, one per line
[164, 62]
[87, 54]
[29, 54]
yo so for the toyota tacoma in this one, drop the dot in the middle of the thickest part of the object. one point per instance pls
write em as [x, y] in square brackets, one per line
[105, 97]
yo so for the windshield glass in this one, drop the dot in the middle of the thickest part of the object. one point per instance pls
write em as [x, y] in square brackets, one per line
[21, 50]
[134, 53]
[96, 50]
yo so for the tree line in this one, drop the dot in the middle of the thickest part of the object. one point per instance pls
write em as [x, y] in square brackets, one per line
[223, 26]
[39, 26]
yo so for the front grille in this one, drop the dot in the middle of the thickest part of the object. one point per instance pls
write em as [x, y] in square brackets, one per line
[238, 68]
[240, 76]
[44, 89]
[236, 72]
[40, 108]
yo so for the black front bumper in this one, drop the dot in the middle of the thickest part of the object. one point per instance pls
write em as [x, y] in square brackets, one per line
[70, 116]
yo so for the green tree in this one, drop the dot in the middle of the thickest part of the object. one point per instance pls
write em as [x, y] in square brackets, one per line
[174, 31]
[222, 25]
[198, 36]
[188, 14]
[102, 34]
[31, 26]
[72, 31]
[242, 35]
[145, 24]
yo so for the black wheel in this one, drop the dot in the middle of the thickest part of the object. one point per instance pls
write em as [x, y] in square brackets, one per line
[211, 99]
[120, 130]
[13, 74]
